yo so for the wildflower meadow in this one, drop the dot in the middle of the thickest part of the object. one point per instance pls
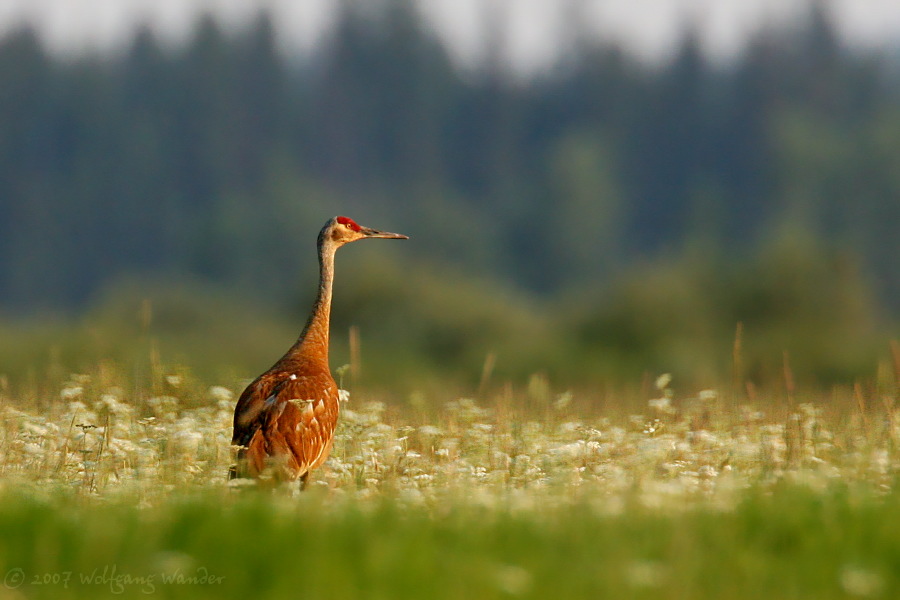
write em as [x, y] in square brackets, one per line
[110, 491]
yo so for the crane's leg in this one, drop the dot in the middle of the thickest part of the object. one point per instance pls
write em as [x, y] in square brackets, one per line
[303, 479]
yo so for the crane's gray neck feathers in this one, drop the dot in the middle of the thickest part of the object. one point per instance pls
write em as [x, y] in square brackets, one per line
[314, 338]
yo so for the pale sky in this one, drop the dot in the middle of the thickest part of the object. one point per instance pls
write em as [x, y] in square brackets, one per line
[648, 27]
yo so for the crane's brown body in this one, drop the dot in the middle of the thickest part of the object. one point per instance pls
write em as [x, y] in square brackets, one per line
[284, 421]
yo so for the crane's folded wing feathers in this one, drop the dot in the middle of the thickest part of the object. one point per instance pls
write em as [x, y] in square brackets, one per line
[285, 413]
[259, 397]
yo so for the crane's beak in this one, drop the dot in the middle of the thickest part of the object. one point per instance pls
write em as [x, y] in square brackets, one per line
[374, 233]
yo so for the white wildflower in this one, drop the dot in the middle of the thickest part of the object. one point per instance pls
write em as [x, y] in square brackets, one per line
[221, 394]
[71, 392]
[573, 450]
[563, 401]
[663, 381]
[708, 395]
[187, 441]
[33, 449]
[707, 472]
[663, 405]
[430, 430]
[34, 429]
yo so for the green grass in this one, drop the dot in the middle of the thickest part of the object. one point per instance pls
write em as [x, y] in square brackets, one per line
[108, 491]
[788, 542]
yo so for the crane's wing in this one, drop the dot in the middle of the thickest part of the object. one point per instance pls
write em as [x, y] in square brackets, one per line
[259, 397]
[287, 417]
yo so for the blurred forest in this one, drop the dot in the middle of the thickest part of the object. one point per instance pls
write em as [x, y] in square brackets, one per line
[593, 222]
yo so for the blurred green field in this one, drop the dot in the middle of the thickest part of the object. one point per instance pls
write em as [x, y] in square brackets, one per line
[788, 541]
[115, 490]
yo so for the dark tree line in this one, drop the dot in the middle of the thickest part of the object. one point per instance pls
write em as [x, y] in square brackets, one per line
[219, 159]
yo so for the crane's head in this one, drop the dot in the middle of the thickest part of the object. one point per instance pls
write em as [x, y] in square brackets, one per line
[343, 230]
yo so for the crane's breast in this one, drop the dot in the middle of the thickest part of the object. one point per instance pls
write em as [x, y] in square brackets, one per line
[305, 425]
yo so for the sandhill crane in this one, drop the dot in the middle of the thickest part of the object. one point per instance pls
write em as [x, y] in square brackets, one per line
[285, 419]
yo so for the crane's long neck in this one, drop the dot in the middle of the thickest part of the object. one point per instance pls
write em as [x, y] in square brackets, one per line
[313, 341]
